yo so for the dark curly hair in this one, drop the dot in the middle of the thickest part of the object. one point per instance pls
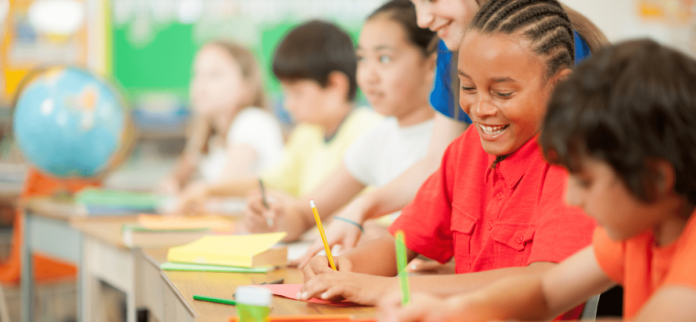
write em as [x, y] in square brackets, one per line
[629, 105]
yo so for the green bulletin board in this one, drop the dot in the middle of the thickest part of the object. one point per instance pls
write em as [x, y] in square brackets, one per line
[162, 64]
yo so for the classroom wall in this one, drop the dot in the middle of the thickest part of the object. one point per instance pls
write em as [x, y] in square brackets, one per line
[154, 41]
[670, 22]
[148, 45]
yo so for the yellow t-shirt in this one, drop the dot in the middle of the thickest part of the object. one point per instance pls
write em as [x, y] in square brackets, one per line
[308, 160]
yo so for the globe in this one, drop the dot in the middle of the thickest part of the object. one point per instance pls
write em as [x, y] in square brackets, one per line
[69, 122]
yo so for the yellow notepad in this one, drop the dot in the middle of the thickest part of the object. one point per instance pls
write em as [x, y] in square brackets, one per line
[236, 250]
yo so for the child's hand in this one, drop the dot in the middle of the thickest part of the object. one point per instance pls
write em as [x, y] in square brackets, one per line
[357, 288]
[259, 219]
[422, 307]
[338, 232]
[169, 186]
[192, 199]
[320, 265]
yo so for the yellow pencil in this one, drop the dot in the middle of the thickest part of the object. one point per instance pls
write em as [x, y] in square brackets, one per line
[323, 236]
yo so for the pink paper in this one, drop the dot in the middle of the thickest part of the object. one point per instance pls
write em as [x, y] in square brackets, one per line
[290, 291]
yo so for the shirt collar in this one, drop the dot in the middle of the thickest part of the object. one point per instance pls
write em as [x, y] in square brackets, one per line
[516, 164]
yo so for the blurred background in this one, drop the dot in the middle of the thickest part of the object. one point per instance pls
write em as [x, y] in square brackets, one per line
[145, 48]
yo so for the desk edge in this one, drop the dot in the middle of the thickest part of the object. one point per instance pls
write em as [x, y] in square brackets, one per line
[178, 294]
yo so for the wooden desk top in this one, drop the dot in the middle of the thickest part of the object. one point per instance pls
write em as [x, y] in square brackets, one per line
[54, 209]
[106, 229]
[222, 285]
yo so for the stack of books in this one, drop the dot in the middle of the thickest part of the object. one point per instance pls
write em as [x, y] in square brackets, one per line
[257, 253]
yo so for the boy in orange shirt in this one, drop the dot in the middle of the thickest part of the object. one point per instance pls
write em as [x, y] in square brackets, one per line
[623, 125]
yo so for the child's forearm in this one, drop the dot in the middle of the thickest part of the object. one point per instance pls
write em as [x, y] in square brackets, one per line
[182, 170]
[236, 188]
[517, 298]
[450, 285]
[377, 257]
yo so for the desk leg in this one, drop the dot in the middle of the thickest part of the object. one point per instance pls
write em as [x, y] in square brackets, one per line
[27, 272]
[115, 266]
[48, 236]
[87, 287]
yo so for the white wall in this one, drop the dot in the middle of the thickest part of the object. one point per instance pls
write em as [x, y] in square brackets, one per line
[619, 20]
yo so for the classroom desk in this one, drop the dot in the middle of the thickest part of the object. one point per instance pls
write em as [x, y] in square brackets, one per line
[106, 258]
[48, 229]
[181, 286]
[95, 244]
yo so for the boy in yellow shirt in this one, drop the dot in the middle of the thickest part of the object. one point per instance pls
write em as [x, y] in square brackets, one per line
[316, 66]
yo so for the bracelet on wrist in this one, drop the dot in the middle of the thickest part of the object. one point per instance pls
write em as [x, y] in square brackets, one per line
[351, 222]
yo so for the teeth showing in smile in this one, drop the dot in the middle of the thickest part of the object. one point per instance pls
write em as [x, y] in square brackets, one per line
[493, 130]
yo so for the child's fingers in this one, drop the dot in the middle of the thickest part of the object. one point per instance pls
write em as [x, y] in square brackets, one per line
[315, 267]
[311, 252]
[254, 210]
[308, 272]
[270, 217]
[256, 193]
[344, 265]
[314, 288]
[255, 204]
[414, 265]
[421, 266]
[335, 293]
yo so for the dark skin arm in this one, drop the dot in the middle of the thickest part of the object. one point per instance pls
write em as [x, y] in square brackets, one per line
[376, 264]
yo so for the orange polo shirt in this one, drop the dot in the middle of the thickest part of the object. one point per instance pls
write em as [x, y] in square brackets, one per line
[643, 268]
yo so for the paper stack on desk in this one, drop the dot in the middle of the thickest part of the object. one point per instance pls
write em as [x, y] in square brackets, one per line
[216, 224]
[164, 231]
[103, 202]
[233, 250]
[139, 236]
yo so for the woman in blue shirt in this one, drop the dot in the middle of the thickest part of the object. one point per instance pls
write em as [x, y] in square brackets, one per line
[449, 18]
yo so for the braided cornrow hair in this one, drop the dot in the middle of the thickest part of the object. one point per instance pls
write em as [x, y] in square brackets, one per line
[544, 22]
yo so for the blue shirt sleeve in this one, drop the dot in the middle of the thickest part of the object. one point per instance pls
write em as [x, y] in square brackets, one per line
[442, 98]
[582, 50]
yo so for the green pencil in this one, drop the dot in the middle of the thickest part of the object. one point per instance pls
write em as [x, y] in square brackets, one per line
[214, 300]
[401, 265]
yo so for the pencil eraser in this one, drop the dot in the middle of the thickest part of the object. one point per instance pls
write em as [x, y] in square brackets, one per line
[311, 203]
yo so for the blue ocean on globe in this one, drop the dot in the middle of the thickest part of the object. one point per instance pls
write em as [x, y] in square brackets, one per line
[69, 123]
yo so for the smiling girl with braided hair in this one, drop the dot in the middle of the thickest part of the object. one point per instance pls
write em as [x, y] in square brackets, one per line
[495, 204]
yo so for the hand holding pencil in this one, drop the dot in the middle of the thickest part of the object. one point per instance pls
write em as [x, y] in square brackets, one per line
[264, 212]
